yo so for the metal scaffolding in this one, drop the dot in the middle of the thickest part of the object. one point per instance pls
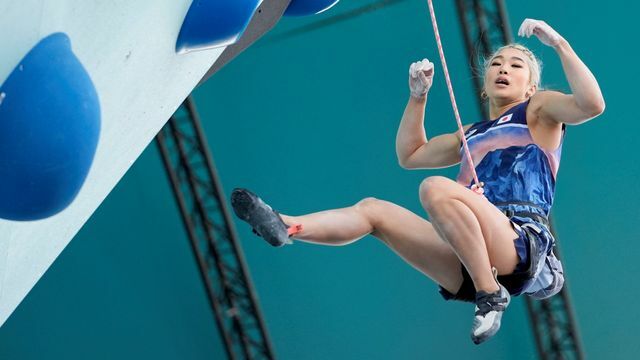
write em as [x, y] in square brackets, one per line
[554, 324]
[213, 239]
[485, 26]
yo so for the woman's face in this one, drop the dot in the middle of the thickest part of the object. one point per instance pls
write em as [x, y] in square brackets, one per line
[508, 76]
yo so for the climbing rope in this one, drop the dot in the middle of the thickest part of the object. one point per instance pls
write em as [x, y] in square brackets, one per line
[478, 185]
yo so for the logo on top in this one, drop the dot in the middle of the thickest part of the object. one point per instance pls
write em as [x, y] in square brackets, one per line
[504, 119]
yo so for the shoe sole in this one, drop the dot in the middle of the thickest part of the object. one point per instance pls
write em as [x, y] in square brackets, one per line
[251, 209]
[487, 334]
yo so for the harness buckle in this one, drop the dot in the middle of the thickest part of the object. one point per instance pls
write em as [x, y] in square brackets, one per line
[509, 213]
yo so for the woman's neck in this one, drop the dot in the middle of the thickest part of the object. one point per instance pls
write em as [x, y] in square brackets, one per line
[499, 107]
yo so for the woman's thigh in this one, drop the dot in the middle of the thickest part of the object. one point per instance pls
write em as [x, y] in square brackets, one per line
[415, 240]
[497, 230]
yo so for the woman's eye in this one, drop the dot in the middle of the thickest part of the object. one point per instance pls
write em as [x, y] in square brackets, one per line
[495, 63]
[516, 65]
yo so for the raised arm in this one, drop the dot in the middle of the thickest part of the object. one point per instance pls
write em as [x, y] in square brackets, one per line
[413, 149]
[586, 101]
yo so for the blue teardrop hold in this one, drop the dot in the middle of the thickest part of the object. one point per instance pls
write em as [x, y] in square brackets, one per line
[214, 23]
[49, 130]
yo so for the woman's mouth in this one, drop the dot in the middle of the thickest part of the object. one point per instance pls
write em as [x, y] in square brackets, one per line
[502, 82]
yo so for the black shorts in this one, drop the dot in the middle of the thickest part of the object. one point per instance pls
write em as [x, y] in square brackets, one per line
[515, 282]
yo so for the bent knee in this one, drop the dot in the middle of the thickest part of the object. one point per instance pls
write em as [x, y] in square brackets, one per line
[372, 208]
[433, 190]
[368, 204]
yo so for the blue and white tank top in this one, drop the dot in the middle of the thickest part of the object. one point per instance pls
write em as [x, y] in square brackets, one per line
[518, 175]
[513, 168]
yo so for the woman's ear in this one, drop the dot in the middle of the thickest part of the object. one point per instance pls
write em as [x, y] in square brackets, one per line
[532, 90]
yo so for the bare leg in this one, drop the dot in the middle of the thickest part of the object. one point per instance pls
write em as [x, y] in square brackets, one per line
[478, 232]
[410, 236]
[333, 227]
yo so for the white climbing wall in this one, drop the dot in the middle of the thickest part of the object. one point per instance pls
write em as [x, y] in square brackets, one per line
[128, 49]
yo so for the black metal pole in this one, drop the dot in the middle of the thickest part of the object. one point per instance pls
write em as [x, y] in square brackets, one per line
[213, 239]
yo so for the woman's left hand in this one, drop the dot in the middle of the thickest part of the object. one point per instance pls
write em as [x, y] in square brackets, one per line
[542, 30]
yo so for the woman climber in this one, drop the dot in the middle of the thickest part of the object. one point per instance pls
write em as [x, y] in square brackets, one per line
[484, 242]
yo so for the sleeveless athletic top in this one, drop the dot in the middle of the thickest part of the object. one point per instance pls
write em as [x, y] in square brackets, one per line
[517, 173]
[520, 176]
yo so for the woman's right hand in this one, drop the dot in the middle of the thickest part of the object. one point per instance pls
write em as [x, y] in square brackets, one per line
[420, 78]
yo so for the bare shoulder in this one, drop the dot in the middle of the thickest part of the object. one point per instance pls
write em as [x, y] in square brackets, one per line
[535, 110]
[546, 132]
[543, 96]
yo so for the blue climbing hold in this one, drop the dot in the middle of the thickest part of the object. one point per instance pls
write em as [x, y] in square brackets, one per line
[214, 23]
[49, 129]
[308, 7]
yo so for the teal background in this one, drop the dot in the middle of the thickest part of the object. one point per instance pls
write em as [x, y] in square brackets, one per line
[309, 122]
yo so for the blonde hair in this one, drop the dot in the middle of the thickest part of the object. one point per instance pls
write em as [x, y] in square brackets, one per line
[535, 65]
